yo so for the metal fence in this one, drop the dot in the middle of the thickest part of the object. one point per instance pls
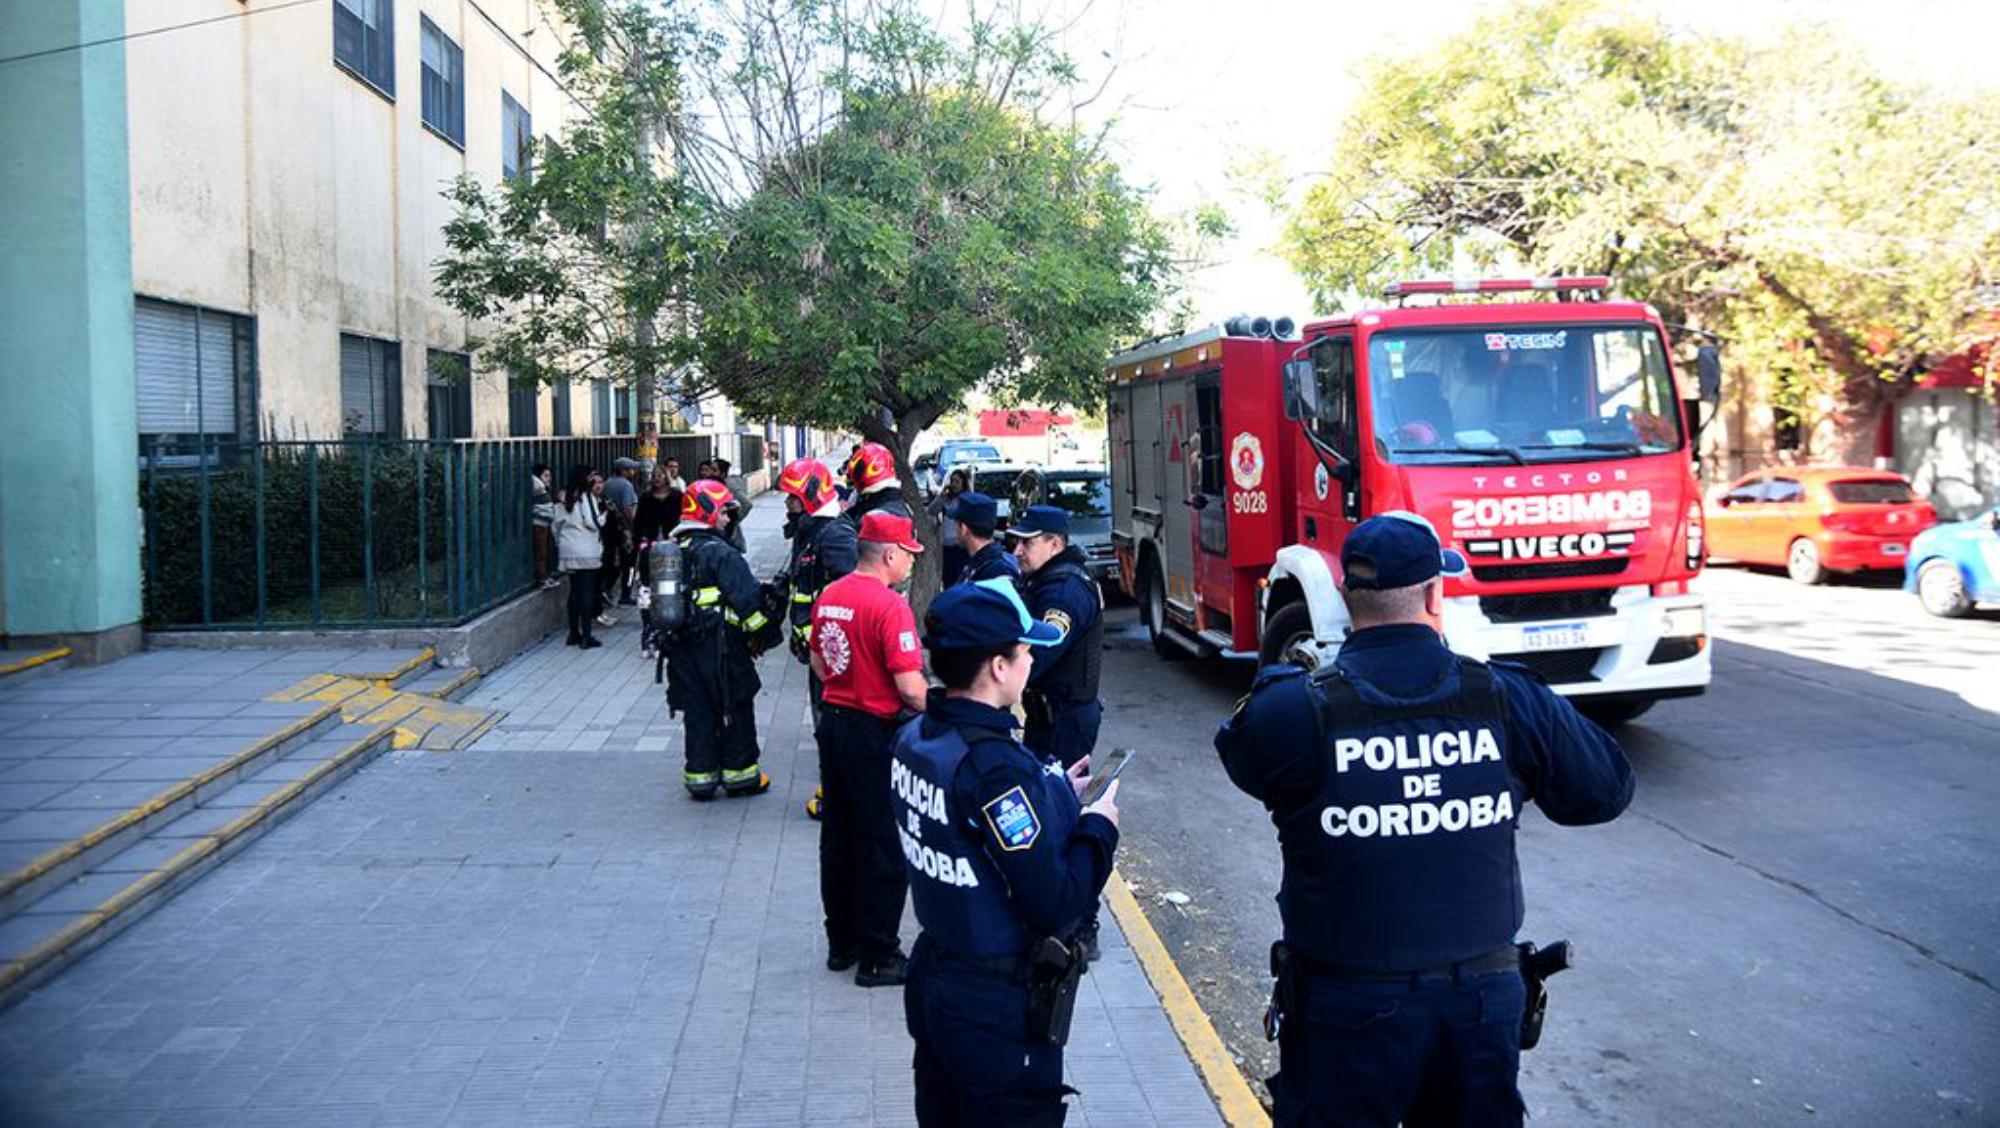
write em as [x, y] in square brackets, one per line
[355, 533]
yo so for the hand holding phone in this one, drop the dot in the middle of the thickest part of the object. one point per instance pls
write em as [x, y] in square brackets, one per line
[1101, 779]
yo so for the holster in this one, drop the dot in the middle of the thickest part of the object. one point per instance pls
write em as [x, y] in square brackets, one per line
[1055, 971]
[1284, 990]
[1537, 964]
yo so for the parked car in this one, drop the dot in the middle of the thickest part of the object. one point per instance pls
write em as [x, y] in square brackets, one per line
[950, 455]
[1951, 567]
[1086, 494]
[1812, 520]
[996, 480]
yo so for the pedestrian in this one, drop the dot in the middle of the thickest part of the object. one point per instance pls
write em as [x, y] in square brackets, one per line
[578, 528]
[976, 518]
[865, 653]
[1395, 777]
[621, 506]
[823, 550]
[541, 483]
[872, 474]
[741, 506]
[1063, 712]
[712, 662]
[938, 512]
[674, 480]
[1003, 863]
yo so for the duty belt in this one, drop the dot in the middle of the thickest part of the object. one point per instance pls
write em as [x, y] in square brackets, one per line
[1506, 958]
[1014, 967]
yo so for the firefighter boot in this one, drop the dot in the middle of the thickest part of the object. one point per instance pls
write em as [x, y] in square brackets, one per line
[812, 811]
[701, 785]
[749, 781]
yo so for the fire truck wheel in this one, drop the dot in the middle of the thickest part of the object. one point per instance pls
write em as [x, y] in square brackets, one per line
[1154, 610]
[1611, 714]
[1288, 637]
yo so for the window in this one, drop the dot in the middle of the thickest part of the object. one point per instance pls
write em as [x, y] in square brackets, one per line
[444, 85]
[1333, 372]
[1784, 491]
[1787, 430]
[1208, 439]
[371, 387]
[1871, 491]
[622, 410]
[559, 411]
[524, 403]
[448, 394]
[1746, 493]
[600, 407]
[517, 135]
[364, 41]
[195, 371]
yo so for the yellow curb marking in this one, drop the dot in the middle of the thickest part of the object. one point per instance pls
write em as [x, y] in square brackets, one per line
[1233, 1098]
[151, 881]
[33, 660]
[422, 720]
[422, 658]
[173, 794]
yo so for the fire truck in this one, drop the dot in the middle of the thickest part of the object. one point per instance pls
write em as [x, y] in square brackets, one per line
[1536, 423]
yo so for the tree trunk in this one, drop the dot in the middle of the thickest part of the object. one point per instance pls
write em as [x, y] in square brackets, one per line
[927, 579]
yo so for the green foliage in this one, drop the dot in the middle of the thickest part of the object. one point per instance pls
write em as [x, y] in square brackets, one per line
[1835, 226]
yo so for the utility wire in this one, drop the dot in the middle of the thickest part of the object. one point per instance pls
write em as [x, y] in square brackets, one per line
[155, 31]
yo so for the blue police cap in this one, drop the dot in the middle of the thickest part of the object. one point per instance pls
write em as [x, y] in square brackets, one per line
[983, 614]
[974, 508]
[1395, 549]
[1039, 519]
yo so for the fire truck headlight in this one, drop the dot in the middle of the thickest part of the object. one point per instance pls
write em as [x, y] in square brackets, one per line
[1687, 622]
[1694, 536]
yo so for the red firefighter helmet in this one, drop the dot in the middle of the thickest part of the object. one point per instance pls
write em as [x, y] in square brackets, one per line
[871, 466]
[704, 501]
[809, 480]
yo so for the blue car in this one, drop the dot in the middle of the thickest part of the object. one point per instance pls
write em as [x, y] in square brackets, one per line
[1951, 567]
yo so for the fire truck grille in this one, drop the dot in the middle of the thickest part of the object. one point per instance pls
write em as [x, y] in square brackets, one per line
[1560, 570]
[1558, 667]
[1540, 605]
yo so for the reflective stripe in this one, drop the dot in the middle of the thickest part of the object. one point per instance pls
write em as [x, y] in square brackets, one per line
[803, 597]
[707, 597]
[803, 630]
[701, 779]
[745, 776]
[755, 622]
[731, 618]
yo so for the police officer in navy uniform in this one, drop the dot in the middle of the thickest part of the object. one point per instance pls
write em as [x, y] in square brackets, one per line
[712, 662]
[978, 518]
[1003, 864]
[1061, 702]
[1395, 776]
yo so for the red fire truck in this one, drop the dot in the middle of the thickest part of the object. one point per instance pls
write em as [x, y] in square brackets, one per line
[1537, 424]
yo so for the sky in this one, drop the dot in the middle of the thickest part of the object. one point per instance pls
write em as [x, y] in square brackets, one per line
[1198, 86]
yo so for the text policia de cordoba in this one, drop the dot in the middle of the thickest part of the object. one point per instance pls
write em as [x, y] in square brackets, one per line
[1426, 812]
[923, 800]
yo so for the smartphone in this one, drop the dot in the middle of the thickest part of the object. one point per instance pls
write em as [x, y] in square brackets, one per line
[1102, 775]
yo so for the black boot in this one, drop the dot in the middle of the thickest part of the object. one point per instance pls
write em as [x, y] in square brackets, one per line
[882, 973]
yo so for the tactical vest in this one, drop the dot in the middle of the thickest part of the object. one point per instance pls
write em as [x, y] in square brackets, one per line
[1405, 857]
[808, 578]
[700, 554]
[959, 894]
[1075, 678]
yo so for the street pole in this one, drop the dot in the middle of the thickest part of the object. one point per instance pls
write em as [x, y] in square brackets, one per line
[643, 336]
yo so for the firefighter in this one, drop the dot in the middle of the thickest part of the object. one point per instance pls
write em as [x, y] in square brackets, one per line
[1003, 861]
[987, 559]
[1061, 702]
[823, 550]
[871, 471]
[711, 663]
[1395, 777]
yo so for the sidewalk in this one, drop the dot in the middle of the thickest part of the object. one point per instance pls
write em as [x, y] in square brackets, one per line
[537, 929]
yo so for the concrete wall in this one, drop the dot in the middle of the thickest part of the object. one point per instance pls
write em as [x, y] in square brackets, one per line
[68, 489]
[268, 181]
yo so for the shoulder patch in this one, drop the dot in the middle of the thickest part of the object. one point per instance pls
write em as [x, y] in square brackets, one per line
[1012, 820]
[1058, 619]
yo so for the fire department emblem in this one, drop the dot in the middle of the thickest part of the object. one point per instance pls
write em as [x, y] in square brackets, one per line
[1322, 481]
[1246, 461]
[834, 649]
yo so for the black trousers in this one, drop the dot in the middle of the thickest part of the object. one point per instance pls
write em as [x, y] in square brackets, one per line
[719, 729]
[862, 882]
[1422, 1051]
[1063, 730]
[582, 602]
[975, 1064]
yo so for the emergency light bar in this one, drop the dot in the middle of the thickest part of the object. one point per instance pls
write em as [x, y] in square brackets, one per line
[1496, 285]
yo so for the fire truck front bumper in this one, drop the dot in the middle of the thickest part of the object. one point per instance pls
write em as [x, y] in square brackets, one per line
[1625, 641]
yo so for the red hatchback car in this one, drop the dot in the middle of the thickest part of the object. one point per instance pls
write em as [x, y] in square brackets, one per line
[1818, 519]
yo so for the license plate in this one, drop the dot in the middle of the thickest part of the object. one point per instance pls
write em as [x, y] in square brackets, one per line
[1555, 636]
[1895, 549]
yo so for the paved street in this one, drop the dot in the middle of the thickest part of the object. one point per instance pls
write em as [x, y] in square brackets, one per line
[1795, 921]
[540, 929]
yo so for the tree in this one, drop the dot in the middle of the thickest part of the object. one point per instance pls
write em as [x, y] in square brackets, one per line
[584, 264]
[916, 224]
[1837, 228]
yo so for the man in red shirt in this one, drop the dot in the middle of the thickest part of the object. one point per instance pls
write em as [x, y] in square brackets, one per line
[866, 654]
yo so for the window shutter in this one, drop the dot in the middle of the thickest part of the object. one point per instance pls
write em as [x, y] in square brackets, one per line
[218, 373]
[169, 389]
[359, 384]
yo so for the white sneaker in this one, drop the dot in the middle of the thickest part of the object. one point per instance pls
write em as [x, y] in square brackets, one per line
[607, 620]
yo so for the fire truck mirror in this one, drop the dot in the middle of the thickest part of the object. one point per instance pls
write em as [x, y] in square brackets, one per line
[1301, 390]
[1708, 372]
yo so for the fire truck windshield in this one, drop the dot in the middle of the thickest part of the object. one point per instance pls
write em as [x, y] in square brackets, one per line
[1521, 393]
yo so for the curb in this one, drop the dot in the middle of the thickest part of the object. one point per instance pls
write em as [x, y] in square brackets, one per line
[23, 665]
[395, 676]
[25, 884]
[151, 889]
[1233, 1098]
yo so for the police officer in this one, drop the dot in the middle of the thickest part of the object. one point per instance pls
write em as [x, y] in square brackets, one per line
[1061, 702]
[871, 471]
[711, 663]
[823, 550]
[1003, 863]
[978, 516]
[1395, 776]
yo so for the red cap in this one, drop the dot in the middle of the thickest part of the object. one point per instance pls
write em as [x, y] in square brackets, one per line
[890, 528]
